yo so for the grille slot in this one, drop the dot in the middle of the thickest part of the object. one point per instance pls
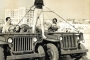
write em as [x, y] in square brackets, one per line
[69, 42]
[22, 44]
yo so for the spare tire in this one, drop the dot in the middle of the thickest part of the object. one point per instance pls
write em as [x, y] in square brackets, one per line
[24, 28]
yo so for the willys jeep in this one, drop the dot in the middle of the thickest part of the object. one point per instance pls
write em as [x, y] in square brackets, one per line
[24, 45]
[64, 45]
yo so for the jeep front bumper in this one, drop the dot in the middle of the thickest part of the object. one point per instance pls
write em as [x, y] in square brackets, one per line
[33, 55]
[74, 51]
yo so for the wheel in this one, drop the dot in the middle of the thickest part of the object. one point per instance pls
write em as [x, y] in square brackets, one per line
[41, 50]
[82, 56]
[52, 52]
[2, 53]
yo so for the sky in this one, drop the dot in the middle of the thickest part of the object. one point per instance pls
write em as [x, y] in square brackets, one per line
[73, 9]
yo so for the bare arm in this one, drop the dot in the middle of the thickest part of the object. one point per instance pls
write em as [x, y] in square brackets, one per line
[3, 29]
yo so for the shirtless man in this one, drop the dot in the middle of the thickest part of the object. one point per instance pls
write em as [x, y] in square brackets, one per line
[7, 25]
[54, 26]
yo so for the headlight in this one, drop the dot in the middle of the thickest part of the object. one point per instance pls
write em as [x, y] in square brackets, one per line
[77, 38]
[10, 40]
[60, 38]
[34, 39]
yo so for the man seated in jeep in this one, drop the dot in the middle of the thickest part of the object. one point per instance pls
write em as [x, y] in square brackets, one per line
[49, 27]
[54, 26]
[7, 25]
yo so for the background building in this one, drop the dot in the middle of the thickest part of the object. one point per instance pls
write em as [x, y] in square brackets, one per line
[20, 15]
[1, 22]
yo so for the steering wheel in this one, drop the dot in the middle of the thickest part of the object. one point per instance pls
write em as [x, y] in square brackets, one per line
[17, 28]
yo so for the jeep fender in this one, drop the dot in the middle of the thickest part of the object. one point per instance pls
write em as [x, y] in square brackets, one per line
[52, 40]
[2, 40]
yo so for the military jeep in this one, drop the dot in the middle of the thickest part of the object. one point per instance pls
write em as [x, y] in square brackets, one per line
[25, 45]
[64, 46]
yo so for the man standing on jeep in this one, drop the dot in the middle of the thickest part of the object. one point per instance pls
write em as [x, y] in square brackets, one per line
[38, 13]
[7, 25]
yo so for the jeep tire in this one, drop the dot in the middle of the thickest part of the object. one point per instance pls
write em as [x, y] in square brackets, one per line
[2, 53]
[52, 52]
[41, 50]
[84, 58]
[83, 55]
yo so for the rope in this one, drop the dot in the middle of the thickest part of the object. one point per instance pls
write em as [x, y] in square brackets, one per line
[62, 18]
[24, 15]
[52, 12]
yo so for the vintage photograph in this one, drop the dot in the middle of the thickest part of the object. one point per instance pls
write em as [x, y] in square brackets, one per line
[44, 29]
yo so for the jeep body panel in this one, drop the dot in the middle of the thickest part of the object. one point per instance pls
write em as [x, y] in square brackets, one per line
[2, 40]
[51, 40]
[23, 56]
[74, 51]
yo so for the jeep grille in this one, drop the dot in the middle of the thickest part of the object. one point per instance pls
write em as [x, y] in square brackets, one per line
[69, 42]
[22, 44]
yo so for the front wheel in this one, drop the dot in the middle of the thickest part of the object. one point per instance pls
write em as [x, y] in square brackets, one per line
[82, 56]
[41, 50]
[52, 52]
[1, 53]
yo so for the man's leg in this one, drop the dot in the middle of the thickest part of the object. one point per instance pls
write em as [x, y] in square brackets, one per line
[42, 25]
[34, 20]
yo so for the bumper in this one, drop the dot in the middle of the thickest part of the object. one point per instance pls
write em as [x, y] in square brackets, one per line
[33, 55]
[74, 51]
